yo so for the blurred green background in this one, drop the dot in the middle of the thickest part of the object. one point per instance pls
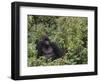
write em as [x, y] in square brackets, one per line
[69, 33]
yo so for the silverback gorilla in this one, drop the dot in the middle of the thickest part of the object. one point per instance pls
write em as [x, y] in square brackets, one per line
[48, 49]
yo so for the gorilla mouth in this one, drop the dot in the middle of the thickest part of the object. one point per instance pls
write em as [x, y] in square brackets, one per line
[48, 50]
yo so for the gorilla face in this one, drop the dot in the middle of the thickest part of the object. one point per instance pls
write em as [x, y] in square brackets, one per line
[47, 50]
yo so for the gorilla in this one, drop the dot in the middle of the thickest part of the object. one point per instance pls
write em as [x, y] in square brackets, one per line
[48, 49]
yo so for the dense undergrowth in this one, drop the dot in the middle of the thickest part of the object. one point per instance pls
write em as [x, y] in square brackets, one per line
[69, 33]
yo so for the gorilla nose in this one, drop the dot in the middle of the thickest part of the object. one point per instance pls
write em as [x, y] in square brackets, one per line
[47, 43]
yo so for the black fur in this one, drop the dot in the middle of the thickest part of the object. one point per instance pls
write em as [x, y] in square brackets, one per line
[48, 49]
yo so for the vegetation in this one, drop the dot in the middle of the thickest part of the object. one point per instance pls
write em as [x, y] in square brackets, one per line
[69, 33]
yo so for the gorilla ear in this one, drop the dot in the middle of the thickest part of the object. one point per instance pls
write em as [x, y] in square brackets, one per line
[36, 42]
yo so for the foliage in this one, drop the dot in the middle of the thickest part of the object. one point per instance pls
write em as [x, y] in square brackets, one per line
[69, 33]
